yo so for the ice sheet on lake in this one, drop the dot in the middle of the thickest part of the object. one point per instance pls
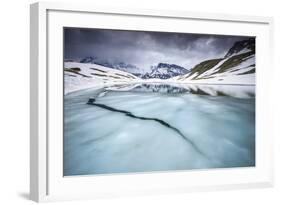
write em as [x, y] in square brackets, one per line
[144, 128]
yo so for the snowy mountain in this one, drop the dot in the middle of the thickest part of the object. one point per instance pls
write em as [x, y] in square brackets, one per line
[241, 47]
[165, 71]
[129, 68]
[115, 65]
[160, 71]
[236, 67]
[85, 75]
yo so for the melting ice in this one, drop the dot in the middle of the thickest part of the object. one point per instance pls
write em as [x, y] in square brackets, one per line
[158, 127]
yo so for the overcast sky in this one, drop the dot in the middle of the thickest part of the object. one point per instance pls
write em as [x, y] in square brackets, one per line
[144, 49]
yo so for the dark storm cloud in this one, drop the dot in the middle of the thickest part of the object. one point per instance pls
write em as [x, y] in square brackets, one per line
[145, 48]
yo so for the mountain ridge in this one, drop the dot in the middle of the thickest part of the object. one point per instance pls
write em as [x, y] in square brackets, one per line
[165, 71]
[239, 60]
[161, 70]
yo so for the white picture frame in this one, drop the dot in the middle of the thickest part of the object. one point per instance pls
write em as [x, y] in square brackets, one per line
[46, 180]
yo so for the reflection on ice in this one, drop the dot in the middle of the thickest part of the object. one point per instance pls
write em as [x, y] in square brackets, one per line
[156, 127]
[240, 91]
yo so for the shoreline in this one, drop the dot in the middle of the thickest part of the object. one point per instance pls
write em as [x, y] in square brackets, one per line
[67, 92]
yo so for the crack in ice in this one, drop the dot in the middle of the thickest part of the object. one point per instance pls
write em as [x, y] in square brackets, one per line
[91, 101]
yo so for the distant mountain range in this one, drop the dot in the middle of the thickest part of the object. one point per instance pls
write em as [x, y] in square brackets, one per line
[239, 60]
[161, 71]
[165, 71]
[237, 66]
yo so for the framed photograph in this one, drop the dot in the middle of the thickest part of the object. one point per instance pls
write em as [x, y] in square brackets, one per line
[130, 102]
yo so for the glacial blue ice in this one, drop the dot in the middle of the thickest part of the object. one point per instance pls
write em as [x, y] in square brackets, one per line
[168, 128]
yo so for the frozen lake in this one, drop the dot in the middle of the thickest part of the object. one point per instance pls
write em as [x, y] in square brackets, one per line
[158, 127]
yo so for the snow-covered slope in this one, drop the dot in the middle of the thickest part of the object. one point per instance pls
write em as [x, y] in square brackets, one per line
[115, 65]
[241, 47]
[84, 75]
[237, 67]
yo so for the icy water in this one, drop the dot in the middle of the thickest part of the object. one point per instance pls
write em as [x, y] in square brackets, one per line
[158, 127]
